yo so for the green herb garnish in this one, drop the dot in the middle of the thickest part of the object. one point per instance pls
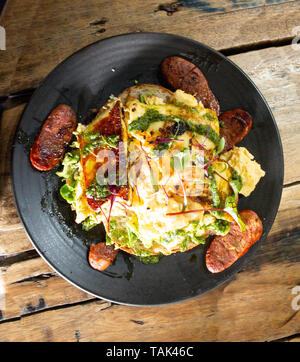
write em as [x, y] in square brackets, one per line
[204, 130]
[220, 227]
[150, 259]
[236, 182]
[96, 140]
[124, 235]
[70, 164]
[198, 239]
[142, 99]
[97, 192]
[143, 122]
[67, 192]
[231, 209]
[189, 108]
[209, 116]
[214, 188]
[183, 245]
[162, 147]
[152, 115]
[89, 223]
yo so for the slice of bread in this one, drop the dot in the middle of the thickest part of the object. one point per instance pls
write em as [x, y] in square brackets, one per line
[146, 90]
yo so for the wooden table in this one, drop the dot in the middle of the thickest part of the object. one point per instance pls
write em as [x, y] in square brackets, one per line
[262, 301]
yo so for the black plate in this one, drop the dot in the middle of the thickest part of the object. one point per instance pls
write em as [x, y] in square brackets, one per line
[85, 81]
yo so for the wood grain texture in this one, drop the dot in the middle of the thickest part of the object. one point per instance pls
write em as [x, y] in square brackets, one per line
[31, 285]
[276, 71]
[256, 305]
[45, 34]
[13, 238]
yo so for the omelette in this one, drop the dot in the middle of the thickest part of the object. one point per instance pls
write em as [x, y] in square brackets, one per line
[153, 169]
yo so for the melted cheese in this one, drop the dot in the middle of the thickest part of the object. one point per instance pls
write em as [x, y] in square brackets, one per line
[152, 205]
[157, 189]
[197, 115]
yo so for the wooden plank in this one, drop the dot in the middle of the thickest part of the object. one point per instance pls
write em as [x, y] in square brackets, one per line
[253, 307]
[36, 43]
[288, 217]
[31, 286]
[215, 6]
[14, 240]
[9, 219]
[276, 72]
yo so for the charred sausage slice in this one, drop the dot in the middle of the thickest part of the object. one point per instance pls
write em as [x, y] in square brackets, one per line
[225, 250]
[184, 75]
[101, 256]
[50, 145]
[235, 125]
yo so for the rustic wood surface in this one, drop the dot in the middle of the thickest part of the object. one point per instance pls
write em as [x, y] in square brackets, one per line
[48, 31]
[260, 303]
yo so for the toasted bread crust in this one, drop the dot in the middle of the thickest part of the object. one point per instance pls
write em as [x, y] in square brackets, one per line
[146, 89]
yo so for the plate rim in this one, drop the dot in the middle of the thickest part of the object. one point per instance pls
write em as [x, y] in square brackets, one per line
[95, 44]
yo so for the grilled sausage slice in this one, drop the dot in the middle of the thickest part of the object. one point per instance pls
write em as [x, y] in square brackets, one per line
[225, 250]
[184, 75]
[101, 256]
[235, 125]
[50, 145]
